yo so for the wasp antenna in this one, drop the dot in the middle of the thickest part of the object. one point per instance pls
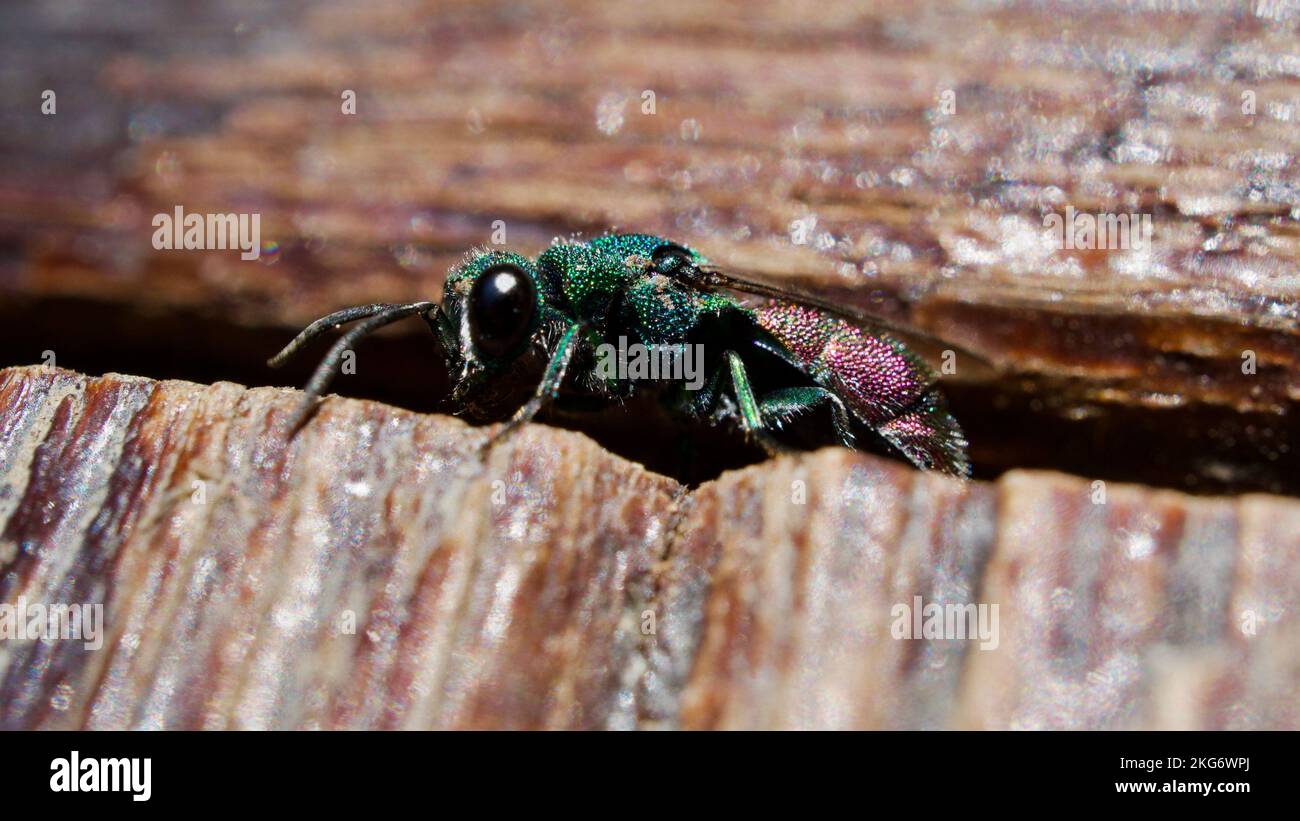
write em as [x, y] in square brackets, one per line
[376, 316]
[390, 313]
[325, 323]
[301, 414]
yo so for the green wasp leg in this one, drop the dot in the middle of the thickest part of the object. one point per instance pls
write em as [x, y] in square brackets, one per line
[548, 389]
[780, 405]
[751, 417]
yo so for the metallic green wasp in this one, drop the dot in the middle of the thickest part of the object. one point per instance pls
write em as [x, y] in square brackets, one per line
[758, 367]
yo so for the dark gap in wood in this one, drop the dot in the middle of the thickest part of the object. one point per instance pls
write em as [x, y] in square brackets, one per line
[1195, 448]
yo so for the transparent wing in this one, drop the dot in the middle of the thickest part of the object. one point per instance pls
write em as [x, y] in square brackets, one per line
[925, 344]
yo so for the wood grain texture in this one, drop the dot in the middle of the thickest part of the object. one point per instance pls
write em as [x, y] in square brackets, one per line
[812, 143]
[378, 572]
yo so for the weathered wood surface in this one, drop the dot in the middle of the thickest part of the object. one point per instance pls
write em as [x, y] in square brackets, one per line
[807, 141]
[550, 584]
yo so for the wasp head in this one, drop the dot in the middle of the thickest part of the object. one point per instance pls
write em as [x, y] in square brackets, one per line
[494, 306]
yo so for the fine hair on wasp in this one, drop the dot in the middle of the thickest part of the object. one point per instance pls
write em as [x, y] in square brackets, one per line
[755, 369]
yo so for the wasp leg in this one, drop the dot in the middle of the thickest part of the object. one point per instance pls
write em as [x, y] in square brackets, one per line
[548, 389]
[324, 372]
[706, 398]
[779, 406]
[751, 418]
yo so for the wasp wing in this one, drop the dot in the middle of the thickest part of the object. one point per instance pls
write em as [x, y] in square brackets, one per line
[932, 347]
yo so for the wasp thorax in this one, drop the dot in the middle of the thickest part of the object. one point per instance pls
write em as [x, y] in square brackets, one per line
[501, 309]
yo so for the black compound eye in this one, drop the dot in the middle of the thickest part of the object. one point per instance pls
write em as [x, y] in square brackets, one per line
[670, 257]
[501, 308]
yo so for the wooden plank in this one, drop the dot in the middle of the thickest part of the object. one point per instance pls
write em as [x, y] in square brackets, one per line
[379, 572]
